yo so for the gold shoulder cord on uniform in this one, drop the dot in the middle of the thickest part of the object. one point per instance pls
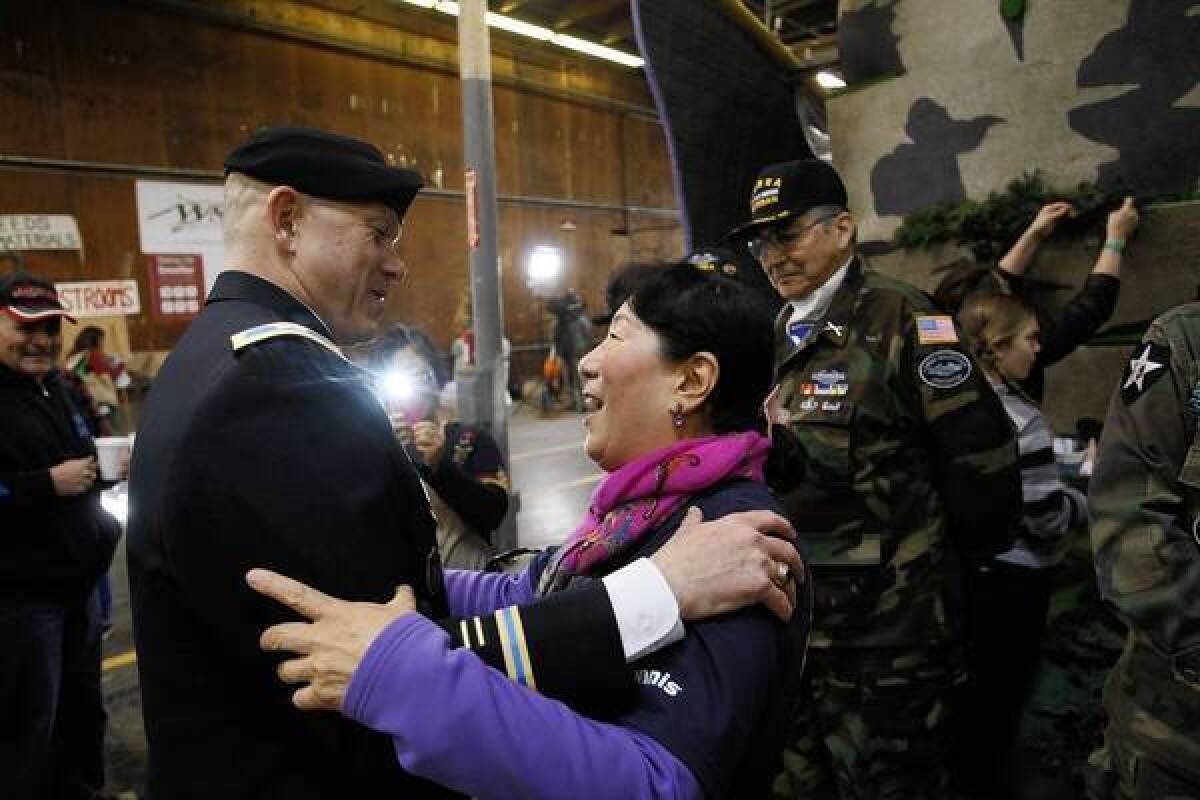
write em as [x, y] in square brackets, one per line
[273, 330]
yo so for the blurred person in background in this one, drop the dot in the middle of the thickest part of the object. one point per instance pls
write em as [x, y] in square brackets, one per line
[57, 541]
[103, 374]
[461, 465]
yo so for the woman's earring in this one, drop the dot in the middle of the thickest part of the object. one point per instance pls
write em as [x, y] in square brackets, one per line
[677, 415]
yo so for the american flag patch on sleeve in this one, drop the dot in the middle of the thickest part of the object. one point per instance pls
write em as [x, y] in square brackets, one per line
[935, 329]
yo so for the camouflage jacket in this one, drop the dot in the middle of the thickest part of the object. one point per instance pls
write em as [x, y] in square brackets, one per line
[1145, 498]
[892, 443]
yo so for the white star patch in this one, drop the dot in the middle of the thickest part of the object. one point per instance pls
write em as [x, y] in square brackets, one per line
[1139, 368]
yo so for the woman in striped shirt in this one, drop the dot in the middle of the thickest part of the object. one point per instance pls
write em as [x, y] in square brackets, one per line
[1008, 596]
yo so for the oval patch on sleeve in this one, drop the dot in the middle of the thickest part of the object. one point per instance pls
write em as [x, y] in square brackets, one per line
[944, 369]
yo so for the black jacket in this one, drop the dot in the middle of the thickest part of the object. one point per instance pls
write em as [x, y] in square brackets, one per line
[279, 456]
[52, 548]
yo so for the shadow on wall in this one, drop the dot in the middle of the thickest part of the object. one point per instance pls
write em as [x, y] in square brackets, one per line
[1158, 141]
[868, 45]
[924, 172]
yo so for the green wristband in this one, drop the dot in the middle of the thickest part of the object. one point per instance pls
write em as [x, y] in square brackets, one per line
[1116, 245]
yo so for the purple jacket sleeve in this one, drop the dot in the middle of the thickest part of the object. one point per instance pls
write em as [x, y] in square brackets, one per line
[457, 722]
[471, 594]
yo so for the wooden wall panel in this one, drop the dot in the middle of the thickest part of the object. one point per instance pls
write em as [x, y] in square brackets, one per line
[140, 84]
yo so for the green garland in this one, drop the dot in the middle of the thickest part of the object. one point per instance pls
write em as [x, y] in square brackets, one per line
[1012, 10]
[989, 227]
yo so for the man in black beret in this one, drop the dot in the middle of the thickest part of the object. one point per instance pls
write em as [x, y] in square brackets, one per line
[260, 445]
[896, 462]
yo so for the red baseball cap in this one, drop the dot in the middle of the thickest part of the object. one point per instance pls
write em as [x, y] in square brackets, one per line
[26, 298]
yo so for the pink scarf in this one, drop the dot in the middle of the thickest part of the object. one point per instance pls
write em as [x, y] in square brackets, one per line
[631, 503]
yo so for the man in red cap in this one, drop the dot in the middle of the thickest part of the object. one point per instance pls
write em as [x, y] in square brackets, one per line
[56, 543]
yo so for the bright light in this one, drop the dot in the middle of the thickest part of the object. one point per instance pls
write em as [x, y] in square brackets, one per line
[116, 502]
[544, 264]
[511, 25]
[596, 50]
[518, 27]
[828, 80]
[399, 385]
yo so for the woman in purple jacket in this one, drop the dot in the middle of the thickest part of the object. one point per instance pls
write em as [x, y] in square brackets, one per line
[673, 397]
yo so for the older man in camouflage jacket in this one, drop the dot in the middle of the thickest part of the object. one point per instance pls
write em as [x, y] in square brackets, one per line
[1145, 498]
[896, 463]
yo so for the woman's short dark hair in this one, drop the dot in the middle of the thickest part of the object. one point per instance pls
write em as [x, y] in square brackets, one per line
[694, 311]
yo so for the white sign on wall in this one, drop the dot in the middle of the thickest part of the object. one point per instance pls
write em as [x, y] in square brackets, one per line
[176, 217]
[39, 232]
[99, 298]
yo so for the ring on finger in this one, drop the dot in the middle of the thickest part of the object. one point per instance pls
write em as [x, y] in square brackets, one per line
[782, 573]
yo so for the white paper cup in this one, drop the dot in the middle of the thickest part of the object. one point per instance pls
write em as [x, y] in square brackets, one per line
[110, 452]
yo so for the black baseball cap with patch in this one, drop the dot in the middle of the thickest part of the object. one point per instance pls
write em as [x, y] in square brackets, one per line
[325, 165]
[787, 190]
[27, 298]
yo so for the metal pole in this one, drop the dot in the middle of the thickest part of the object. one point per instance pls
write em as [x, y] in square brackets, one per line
[485, 405]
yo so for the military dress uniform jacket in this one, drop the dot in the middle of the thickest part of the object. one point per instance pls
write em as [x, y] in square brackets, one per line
[1145, 502]
[896, 461]
[270, 452]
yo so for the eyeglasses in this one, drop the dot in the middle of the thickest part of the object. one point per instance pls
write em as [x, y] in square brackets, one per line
[383, 234]
[782, 238]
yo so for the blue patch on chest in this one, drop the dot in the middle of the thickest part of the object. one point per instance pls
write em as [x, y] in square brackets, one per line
[799, 331]
[944, 369]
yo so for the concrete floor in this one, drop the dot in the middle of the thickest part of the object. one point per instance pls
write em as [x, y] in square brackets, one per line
[550, 472]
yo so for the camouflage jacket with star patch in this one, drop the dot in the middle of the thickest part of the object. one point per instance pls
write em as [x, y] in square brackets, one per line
[1145, 501]
[896, 461]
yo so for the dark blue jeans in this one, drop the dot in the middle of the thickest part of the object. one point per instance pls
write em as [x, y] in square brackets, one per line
[51, 704]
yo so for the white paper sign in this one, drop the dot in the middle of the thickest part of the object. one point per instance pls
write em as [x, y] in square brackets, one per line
[178, 217]
[99, 298]
[39, 232]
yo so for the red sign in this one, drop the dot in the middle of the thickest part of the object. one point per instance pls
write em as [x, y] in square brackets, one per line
[176, 287]
[469, 183]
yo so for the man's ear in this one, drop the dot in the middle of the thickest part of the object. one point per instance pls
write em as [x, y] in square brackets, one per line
[696, 377]
[283, 209]
[846, 227]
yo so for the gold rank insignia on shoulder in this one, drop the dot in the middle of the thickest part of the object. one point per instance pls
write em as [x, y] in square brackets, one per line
[273, 330]
[936, 329]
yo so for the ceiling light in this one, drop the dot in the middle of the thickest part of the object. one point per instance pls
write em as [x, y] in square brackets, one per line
[511, 25]
[829, 80]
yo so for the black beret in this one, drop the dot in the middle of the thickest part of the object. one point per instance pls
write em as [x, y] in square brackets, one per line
[787, 190]
[324, 165]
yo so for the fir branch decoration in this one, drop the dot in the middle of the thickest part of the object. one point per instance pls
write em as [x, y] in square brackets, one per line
[989, 227]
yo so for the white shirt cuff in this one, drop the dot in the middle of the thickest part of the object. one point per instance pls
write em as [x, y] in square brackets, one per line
[645, 607]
